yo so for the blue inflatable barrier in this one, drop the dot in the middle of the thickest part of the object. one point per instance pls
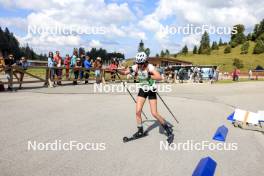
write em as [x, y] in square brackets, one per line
[205, 167]
[220, 134]
[231, 117]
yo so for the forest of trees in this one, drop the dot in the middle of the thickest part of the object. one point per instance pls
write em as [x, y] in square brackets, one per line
[257, 36]
[9, 44]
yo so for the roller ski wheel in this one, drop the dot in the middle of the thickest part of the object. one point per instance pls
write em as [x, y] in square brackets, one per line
[134, 137]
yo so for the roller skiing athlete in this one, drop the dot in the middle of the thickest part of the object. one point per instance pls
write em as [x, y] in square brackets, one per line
[147, 76]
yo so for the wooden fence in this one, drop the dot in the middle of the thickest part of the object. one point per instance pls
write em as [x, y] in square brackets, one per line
[14, 79]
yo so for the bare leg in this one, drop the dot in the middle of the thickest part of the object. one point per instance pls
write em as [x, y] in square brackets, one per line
[154, 112]
[139, 107]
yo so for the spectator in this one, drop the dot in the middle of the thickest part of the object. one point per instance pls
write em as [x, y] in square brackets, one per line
[51, 65]
[195, 74]
[58, 61]
[77, 67]
[8, 63]
[211, 74]
[82, 61]
[250, 74]
[87, 66]
[236, 74]
[216, 74]
[67, 63]
[23, 64]
[73, 60]
[98, 67]
[113, 66]
[2, 88]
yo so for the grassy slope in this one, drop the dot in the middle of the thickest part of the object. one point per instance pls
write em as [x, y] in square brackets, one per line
[225, 61]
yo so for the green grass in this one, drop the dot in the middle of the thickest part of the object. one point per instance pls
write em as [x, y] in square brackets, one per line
[225, 61]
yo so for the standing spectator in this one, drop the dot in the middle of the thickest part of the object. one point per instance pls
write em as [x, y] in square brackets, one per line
[211, 74]
[98, 67]
[8, 63]
[23, 64]
[82, 61]
[87, 66]
[67, 63]
[250, 74]
[77, 67]
[2, 88]
[51, 65]
[113, 66]
[73, 60]
[236, 74]
[216, 74]
[58, 62]
[195, 74]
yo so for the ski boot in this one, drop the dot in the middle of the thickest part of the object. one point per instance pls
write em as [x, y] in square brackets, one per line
[139, 134]
[169, 131]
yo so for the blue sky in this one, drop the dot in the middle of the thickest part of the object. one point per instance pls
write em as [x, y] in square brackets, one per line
[125, 22]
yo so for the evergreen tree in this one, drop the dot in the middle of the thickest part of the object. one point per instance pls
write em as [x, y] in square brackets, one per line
[167, 53]
[238, 63]
[185, 50]
[227, 49]
[214, 46]
[259, 47]
[162, 53]
[205, 44]
[220, 42]
[141, 48]
[147, 51]
[244, 48]
[239, 37]
[195, 49]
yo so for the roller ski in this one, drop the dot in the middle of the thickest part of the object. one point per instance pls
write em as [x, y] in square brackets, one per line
[170, 135]
[139, 134]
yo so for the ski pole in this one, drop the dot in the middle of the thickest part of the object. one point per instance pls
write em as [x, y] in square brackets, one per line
[129, 93]
[167, 107]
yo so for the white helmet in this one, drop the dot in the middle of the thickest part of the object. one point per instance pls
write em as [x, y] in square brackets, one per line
[141, 57]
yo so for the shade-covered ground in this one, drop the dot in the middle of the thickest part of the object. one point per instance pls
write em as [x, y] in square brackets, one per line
[75, 113]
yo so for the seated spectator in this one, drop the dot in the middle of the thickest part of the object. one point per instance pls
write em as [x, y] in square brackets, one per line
[77, 68]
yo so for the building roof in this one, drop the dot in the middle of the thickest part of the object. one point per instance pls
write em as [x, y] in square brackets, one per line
[169, 59]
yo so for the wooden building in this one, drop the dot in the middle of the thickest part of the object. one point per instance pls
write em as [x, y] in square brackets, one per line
[166, 61]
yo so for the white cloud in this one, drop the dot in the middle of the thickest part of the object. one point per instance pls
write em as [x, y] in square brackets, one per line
[201, 12]
[18, 22]
[191, 40]
[95, 44]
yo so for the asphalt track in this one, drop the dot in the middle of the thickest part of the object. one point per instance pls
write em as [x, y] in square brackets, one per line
[76, 113]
